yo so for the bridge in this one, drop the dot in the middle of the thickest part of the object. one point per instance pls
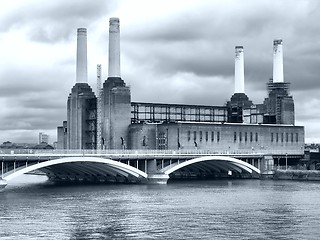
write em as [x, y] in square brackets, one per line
[133, 166]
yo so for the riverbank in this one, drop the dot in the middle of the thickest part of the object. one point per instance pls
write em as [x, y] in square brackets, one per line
[303, 175]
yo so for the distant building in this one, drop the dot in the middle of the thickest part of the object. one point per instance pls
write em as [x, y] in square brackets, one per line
[62, 136]
[9, 145]
[23, 147]
[43, 138]
[44, 146]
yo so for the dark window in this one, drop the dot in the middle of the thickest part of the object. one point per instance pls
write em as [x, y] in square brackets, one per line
[212, 136]
[245, 137]
[281, 137]
[251, 137]
[240, 136]
[162, 141]
[297, 137]
[194, 135]
[200, 136]
[218, 136]
[271, 137]
[277, 137]
[291, 137]
[207, 136]
[257, 137]
[235, 136]
[144, 141]
[287, 137]
[189, 136]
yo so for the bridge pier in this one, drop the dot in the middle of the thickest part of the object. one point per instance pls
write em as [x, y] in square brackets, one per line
[158, 178]
[154, 175]
[267, 168]
[152, 166]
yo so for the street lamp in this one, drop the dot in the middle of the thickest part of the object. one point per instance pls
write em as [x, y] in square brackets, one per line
[286, 161]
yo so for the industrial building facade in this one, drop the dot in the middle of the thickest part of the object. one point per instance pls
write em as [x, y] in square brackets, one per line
[120, 123]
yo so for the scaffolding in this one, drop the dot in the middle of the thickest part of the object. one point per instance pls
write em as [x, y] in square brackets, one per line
[283, 86]
[99, 108]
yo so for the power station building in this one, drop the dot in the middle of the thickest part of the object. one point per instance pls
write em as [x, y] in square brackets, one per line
[110, 120]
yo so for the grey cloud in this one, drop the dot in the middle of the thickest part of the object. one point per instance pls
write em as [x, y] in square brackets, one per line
[197, 45]
[21, 117]
[36, 113]
[209, 23]
[33, 99]
[19, 81]
[49, 103]
[173, 45]
[56, 20]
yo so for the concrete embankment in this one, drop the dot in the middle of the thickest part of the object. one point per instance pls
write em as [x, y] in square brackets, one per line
[304, 175]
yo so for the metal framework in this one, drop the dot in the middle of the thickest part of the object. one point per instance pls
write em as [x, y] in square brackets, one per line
[99, 107]
[284, 86]
[158, 112]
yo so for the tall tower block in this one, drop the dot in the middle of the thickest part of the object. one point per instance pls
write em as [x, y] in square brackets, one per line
[81, 105]
[116, 96]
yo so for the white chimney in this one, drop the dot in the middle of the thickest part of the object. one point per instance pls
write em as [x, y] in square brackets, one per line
[82, 75]
[277, 61]
[239, 70]
[114, 48]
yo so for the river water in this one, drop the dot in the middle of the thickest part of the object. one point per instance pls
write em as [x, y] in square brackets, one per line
[33, 208]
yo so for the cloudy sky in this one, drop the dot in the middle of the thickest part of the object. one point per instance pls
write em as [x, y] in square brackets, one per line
[172, 51]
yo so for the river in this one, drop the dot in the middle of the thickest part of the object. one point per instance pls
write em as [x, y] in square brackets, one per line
[33, 208]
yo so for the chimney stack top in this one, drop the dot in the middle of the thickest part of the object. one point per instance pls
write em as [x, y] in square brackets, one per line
[82, 31]
[114, 20]
[277, 42]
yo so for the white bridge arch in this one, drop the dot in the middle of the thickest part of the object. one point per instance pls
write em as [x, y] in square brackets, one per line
[105, 169]
[106, 166]
[217, 162]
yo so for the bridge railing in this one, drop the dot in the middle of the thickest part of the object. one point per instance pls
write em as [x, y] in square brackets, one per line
[151, 152]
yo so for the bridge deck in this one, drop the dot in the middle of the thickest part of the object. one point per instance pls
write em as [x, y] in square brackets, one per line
[136, 154]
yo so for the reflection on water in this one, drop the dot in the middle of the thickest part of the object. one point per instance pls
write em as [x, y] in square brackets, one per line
[220, 209]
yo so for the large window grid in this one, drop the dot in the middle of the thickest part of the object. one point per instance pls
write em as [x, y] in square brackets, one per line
[153, 112]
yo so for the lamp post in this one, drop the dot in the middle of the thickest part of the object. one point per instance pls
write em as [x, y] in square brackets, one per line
[286, 161]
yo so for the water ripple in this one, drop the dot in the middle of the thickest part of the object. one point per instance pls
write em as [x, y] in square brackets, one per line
[240, 209]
